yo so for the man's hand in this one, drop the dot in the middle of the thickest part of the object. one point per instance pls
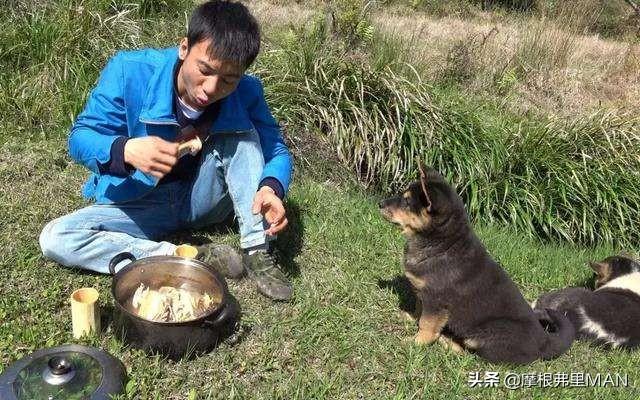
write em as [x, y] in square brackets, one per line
[270, 206]
[151, 155]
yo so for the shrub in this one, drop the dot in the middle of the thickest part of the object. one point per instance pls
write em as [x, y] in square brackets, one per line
[349, 20]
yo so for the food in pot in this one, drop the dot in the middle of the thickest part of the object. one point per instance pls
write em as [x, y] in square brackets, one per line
[170, 304]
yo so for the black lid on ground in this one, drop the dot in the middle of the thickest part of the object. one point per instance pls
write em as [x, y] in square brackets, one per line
[67, 372]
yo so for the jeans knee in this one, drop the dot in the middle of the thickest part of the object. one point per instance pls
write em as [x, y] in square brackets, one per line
[245, 148]
[51, 240]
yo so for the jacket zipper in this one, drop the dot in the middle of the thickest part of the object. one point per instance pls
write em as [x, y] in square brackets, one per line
[145, 121]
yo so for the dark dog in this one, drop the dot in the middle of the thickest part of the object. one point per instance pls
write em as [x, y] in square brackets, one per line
[610, 315]
[460, 287]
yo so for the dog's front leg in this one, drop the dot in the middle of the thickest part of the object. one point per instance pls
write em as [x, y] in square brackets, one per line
[430, 325]
[414, 315]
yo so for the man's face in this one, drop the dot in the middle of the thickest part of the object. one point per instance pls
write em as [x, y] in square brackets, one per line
[203, 80]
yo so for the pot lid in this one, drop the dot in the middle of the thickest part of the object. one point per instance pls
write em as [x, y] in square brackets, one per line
[67, 372]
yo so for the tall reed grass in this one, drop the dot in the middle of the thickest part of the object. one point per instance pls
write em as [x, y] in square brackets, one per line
[52, 51]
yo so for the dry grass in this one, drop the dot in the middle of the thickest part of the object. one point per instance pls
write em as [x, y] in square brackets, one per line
[272, 14]
[571, 73]
[533, 63]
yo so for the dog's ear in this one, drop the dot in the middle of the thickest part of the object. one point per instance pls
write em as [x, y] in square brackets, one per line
[602, 269]
[423, 183]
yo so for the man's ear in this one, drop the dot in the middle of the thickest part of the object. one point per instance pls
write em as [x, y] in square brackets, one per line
[183, 49]
[423, 183]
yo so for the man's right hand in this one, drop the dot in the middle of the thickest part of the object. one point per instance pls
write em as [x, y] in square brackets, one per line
[151, 155]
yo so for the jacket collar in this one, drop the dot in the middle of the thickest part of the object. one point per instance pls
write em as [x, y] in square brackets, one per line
[158, 100]
[158, 104]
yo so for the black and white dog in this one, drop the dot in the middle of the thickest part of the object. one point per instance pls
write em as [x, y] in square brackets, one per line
[609, 315]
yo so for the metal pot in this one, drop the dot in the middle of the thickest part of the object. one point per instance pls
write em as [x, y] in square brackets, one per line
[172, 339]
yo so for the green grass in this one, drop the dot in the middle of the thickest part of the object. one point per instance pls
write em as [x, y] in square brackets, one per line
[343, 335]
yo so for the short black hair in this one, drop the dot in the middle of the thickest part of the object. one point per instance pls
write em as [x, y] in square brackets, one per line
[234, 32]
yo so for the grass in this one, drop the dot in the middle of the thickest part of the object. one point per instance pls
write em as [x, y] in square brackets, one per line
[343, 335]
[611, 19]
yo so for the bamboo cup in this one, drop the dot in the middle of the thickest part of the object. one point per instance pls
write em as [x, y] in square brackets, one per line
[85, 312]
[186, 251]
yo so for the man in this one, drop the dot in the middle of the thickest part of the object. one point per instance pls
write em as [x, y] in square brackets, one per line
[144, 105]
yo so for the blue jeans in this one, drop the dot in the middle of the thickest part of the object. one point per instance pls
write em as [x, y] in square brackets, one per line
[227, 180]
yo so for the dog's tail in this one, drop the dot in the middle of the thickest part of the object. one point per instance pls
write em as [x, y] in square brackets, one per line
[560, 333]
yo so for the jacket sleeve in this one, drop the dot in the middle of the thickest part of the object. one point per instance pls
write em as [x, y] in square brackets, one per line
[278, 161]
[102, 121]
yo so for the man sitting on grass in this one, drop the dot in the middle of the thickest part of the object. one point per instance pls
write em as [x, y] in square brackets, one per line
[144, 105]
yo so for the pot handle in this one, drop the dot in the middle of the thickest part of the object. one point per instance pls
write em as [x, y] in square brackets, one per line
[228, 312]
[117, 259]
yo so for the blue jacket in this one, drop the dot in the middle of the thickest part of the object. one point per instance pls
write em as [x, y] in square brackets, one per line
[134, 97]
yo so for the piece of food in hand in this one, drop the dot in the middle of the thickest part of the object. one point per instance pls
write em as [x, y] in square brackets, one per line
[192, 147]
